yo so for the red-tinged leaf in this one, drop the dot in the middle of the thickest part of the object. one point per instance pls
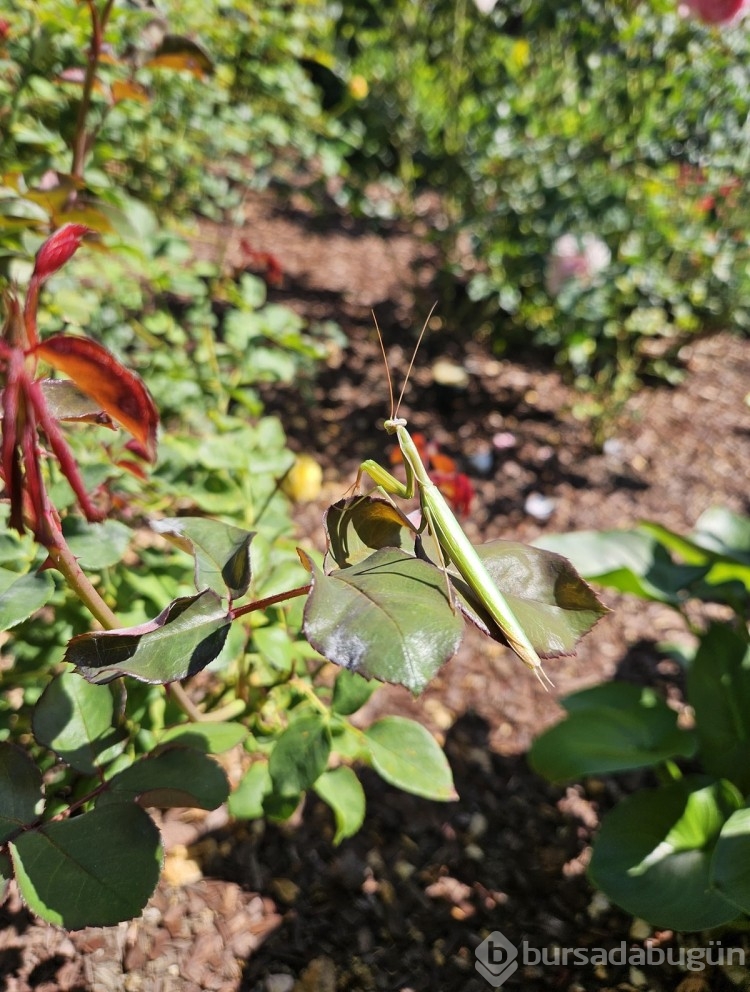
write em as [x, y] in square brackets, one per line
[442, 463]
[181, 641]
[180, 53]
[137, 450]
[58, 249]
[133, 467]
[98, 374]
[129, 91]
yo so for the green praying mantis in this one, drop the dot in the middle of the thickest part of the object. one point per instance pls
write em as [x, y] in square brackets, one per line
[453, 546]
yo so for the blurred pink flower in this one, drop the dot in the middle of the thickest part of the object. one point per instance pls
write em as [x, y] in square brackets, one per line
[714, 11]
[575, 258]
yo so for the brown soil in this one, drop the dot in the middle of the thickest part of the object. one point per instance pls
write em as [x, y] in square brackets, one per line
[403, 905]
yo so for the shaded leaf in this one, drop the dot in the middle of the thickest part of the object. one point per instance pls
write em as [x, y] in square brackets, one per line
[350, 692]
[342, 791]
[181, 641]
[74, 719]
[20, 790]
[387, 617]
[221, 551]
[718, 689]
[96, 545]
[407, 756]
[661, 871]
[300, 755]
[176, 776]
[720, 545]
[362, 524]
[631, 727]
[6, 874]
[96, 869]
[98, 374]
[22, 595]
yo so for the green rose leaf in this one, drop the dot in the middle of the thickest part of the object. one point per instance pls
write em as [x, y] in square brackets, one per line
[181, 641]
[22, 595]
[74, 719]
[20, 790]
[221, 552]
[406, 755]
[387, 617]
[342, 791]
[179, 776]
[91, 870]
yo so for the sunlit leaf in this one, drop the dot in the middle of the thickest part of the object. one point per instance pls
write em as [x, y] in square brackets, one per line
[66, 402]
[406, 755]
[181, 641]
[246, 802]
[22, 595]
[221, 551]
[388, 617]
[98, 374]
[96, 545]
[342, 791]
[362, 524]
[213, 738]
[550, 600]
[654, 851]
[631, 561]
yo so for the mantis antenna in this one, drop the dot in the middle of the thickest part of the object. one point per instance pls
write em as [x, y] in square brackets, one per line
[394, 410]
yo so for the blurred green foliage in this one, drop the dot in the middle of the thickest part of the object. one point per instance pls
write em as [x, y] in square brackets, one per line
[539, 120]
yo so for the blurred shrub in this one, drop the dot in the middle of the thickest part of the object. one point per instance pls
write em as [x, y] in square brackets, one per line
[539, 121]
[194, 102]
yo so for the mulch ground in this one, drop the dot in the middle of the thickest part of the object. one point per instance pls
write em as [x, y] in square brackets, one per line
[403, 905]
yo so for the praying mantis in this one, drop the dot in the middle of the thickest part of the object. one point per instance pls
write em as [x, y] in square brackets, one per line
[453, 546]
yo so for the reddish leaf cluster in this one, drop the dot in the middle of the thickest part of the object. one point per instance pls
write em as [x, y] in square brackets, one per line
[454, 485]
[27, 408]
[267, 262]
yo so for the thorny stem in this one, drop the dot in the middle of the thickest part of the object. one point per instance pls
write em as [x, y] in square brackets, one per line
[66, 562]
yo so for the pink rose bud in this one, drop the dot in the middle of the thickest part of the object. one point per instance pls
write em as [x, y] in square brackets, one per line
[58, 248]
